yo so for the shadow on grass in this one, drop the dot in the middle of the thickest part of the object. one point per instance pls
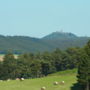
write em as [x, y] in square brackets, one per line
[76, 86]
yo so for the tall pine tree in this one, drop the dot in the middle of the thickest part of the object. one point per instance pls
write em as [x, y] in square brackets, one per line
[84, 68]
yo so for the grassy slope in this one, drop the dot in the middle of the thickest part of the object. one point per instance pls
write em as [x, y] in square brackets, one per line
[66, 72]
[36, 84]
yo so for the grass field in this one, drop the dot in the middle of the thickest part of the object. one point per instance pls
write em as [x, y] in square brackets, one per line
[36, 84]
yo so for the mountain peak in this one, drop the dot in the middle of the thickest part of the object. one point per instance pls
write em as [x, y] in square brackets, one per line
[59, 35]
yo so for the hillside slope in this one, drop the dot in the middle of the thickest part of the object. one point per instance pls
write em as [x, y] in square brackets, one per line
[65, 40]
[22, 44]
[47, 43]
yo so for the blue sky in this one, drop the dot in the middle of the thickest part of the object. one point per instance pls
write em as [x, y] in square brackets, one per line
[38, 18]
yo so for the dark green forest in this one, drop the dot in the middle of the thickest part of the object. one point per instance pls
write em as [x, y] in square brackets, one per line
[23, 44]
[31, 65]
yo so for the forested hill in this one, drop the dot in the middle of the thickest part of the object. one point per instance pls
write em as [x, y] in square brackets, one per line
[60, 35]
[48, 43]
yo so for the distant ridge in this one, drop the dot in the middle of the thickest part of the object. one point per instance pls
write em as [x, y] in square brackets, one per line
[58, 35]
[62, 40]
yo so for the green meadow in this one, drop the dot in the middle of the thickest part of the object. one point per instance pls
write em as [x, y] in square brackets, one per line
[68, 76]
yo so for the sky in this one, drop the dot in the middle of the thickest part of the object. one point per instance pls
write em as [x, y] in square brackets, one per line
[37, 18]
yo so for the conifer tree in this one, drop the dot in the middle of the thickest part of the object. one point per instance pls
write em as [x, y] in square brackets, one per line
[84, 68]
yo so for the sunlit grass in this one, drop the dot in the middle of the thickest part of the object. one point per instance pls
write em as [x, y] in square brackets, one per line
[36, 84]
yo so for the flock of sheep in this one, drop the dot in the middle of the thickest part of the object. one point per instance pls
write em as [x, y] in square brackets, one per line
[55, 83]
[42, 88]
[21, 79]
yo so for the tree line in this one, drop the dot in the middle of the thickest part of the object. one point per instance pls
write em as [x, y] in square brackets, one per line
[31, 65]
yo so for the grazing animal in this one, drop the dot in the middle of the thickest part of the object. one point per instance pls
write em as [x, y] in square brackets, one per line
[55, 83]
[62, 82]
[22, 79]
[43, 88]
[17, 79]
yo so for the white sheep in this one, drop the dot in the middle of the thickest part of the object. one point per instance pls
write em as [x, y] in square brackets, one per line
[62, 82]
[22, 79]
[43, 88]
[17, 79]
[55, 83]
